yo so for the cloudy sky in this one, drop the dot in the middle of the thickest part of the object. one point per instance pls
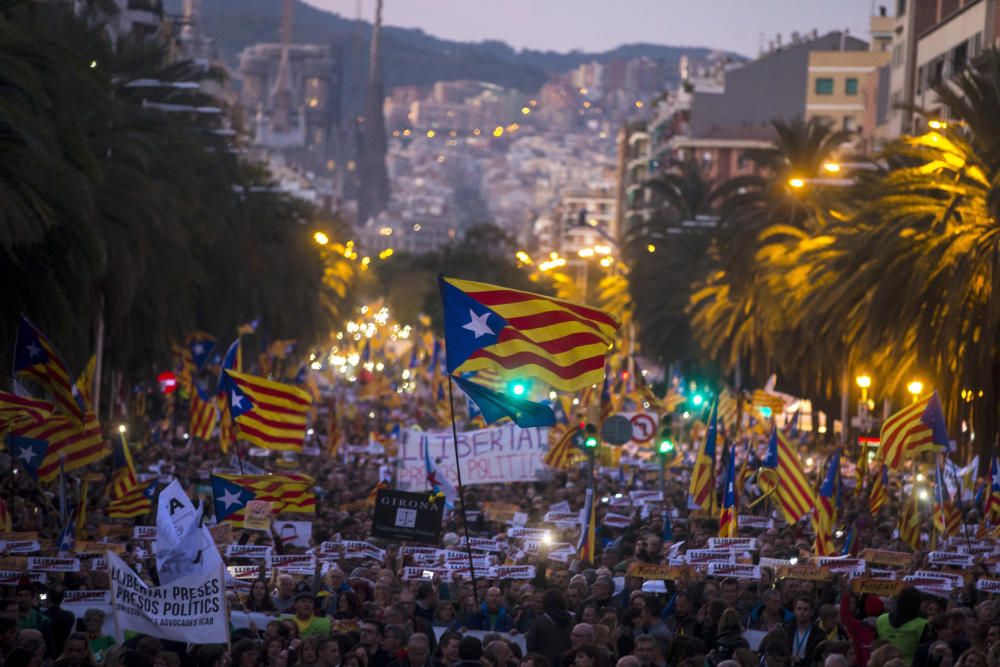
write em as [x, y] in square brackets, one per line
[598, 25]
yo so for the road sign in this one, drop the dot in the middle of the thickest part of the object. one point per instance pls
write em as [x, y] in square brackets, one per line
[616, 430]
[643, 427]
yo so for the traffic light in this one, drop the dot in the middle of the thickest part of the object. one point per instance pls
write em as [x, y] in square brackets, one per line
[666, 447]
[697, 400]
[590, 439]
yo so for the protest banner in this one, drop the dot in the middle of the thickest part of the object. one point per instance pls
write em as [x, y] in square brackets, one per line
[754, 522]
[646, 497]
[500, 512]
[957, 580]
[294, 533]
[247, 551]
[482, 544]
[410, 550]
[879, 587]
[950, 558]
[930, 580]
[410, 517]
[504, 572]
[245, 571]
[415, 573]
[192, 609]
[98, 564]
[14, 577]
[294, 563]
[561, 506]
[882, 557]
[737, 570]
[496, 455]
[740, 543]
[854, 567]
[773, 563]
[87, 597]
[988, 586]
[43, 564]
[563, 519]
[257, 515]
[806, 572]
[706, 555]
[616, 520]
[650, 571]
[21, 547]
[882, 573]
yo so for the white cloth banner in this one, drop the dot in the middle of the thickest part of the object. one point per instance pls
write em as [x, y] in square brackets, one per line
[497, 455]
[192, 609]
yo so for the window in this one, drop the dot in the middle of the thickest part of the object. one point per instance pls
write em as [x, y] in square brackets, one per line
[851, 86]
[900, 7]
[850, 124]
[824, 86]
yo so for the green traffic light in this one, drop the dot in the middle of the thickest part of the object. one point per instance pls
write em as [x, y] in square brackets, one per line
[590, 442]
[666, 446]
[697, 400]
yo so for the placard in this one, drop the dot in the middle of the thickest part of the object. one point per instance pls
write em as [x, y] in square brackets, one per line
[741, 543]
[950, 558]
[650, 571]
[257, 515]
[616, 520]
[42, 564]
[806, 572]
[248, 551]
[879, 587]
[21, 546]
[143, 532]
[852, 566]
[410, 517]
[988, 585]
[736, 570]
[754, 522]
[294, 533]
[882, 557]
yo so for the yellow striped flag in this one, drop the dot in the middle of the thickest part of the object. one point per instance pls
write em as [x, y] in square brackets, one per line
[288, 493]
[269, 414]
[36, 358]
[947, 515]
[728, 525]
[728, 409]
[85, 383]
[14, 408]
[487, 326]
[768, 401]
[226, 434]
[123, 478]
[203, 415]
[795, 497]
[135, 503]
[915, 429]
[825, 515]
[78, 447]
[909, 522]
[703, 476]
[879, 493]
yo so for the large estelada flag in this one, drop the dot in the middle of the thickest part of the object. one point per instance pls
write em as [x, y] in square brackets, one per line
[73, 445]
[917, 428]
[289, 493]
[137, 502]
[268, 414]
[789, 483]
[36, 358]
[487, 326]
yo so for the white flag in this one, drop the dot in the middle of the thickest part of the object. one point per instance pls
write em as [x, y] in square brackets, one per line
[182, 546]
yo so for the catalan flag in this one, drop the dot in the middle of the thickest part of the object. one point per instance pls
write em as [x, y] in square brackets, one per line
[84, 385]
[185, 368]
[28, 452]
[587, 546]
[36, 358]
[230, 362]
[562, 453]
[914, 429]
[269, 414]
[909, 522]
[947, 516]
[289, 493]
[728, 409]
[20, 409]
[991, 510]
[767, 403]
[75, 446]
[203, 415]
[879, 493]
[200, 345]
[123, 477]
[135, 503]
[795, 496]
[825, 515]
[248, 328]
[703, 475]
[728, 525]
[486, 326]
[227, 434]
[81, 509]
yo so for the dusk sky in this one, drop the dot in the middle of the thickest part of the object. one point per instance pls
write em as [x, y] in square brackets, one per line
[598, 25]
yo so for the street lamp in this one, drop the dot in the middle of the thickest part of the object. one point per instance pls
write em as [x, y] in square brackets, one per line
[797, 183]
[915, 388]
[321, 238]
[864, 381]
[831, 167]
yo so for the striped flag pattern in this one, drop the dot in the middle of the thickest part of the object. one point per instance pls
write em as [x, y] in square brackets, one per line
[203, 415]
[36, 358]
[289, 492]
[268, 414]
[562, 343]
[909, 522]
[728, 526]
[764, 399]
[78, 447]
[915, 429]
[947, 516]
[880, 490]
[137, 502]
[703, 475]
[825, 516]
[728, 407]
[991, 511]
[795, 496]
[123, 478]
[227, 435]
[14, 408]
[562, 453]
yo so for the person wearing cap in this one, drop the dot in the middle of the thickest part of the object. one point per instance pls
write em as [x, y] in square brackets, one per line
[309, 625]
[93, 624]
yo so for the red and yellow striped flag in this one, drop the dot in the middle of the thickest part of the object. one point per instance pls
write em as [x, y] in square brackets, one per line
[703, 476]
[14, 408]
[909, 522]
[203, 416]
[78, 447]
[135, 503]
[880, 490]
[36, 358]
[269, 414]
[915, 429]
[487, 326]
[791, 486]
[123, 477]
[288, 492]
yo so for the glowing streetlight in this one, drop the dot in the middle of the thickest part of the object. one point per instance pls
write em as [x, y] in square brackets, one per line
[831, 167]
[915, 388]
[864, 381]
[797, 183]
[122, 428]
[937, 124]
[651, 248]
[321, 238]
[585, 252]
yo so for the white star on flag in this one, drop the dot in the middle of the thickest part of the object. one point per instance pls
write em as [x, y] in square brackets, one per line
[477, 324]
[199, 348]
[34, 350]
[230, 498]
[237, 400]
[25, 454]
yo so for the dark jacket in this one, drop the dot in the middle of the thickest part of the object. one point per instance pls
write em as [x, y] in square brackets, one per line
[816, 635]
[481, 620]
[62, 624]
[549, 635]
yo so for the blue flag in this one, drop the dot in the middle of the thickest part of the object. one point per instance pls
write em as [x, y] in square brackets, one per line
[495, 406]
[67, 539]
[228, 363]
[29, 452]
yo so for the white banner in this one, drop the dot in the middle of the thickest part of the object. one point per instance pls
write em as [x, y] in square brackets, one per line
[497, 455]
[294, 533]
[192, 609]
[42, 564]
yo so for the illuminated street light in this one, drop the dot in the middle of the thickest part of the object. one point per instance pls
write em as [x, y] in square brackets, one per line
[585, 252]
[321, 238]
[831, 167]
[122, 428]
[937, 124]
[797, 183]
[651, 248]
[864, 381]
[498, 131]
[915, 388]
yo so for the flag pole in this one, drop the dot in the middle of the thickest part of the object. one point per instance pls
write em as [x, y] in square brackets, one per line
[461, 492]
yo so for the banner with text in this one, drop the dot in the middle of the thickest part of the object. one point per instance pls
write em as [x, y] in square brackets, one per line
[496, 455]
